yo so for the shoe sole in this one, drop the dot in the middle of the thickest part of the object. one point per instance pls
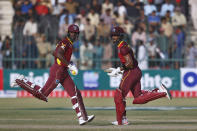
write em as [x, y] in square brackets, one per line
[167, 92]
[13, 84]
[124, 124]
[87, 121]
[91, 119]
[116, 123]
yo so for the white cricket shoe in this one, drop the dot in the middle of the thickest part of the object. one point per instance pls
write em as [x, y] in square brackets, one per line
[83, 122]
[124, 122]
[20, 77]
[163, 88]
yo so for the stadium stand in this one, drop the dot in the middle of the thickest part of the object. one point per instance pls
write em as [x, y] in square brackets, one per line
[6, 14]
[30, 29]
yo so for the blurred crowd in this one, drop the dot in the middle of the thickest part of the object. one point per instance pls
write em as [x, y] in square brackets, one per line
[155, 29]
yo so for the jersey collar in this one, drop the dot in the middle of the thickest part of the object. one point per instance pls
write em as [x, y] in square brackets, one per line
[120, 44]
[70, 40]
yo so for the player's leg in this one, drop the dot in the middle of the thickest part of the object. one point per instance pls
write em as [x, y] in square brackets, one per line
[57, 74]
[141, 96]
[119, 99]
[146, 96]
[135, 85]
[120, 104]
[77, 101]
[50, 85]
[129, 80]
[37, 91]
[30, 87]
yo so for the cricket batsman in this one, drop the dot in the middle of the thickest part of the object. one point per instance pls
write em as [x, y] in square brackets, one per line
[59, 74]
[130, 80]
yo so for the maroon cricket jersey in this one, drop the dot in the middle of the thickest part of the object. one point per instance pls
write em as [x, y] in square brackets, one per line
[124, 49]
[67, 45]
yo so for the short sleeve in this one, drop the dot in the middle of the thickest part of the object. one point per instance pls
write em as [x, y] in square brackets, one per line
[124, 50]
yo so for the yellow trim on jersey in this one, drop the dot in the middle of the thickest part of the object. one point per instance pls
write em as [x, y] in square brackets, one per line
[70, 41]
[123, 79]
[120, 43]
[58, 61]
[63, 44]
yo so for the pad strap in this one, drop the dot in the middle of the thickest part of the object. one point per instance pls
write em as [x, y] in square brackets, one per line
[73, 97]
[75, 106]
[79, 114]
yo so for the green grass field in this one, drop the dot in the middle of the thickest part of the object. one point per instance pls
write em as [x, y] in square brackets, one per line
[30, 114]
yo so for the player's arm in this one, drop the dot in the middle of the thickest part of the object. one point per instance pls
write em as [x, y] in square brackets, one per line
[125, 51]
[60, 55]
[129, 62]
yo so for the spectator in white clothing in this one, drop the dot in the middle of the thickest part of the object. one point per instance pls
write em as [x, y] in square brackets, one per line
[107, 17]
[142, 56]
[191, 56]
[151, 47]
[86, 55]
[193, 4]
[56, 8]
[107, 5]
[167, 6]
[149, 8]
[59, 1]
[94, 17]
[30, 28]
[121, 9]
[139, 34]
[179, 18]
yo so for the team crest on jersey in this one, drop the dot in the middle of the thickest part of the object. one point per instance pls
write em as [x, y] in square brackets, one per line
[63, 46]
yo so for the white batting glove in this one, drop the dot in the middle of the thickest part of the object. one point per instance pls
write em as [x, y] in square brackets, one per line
[73, 69]
[109, 70]
[114, 72]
